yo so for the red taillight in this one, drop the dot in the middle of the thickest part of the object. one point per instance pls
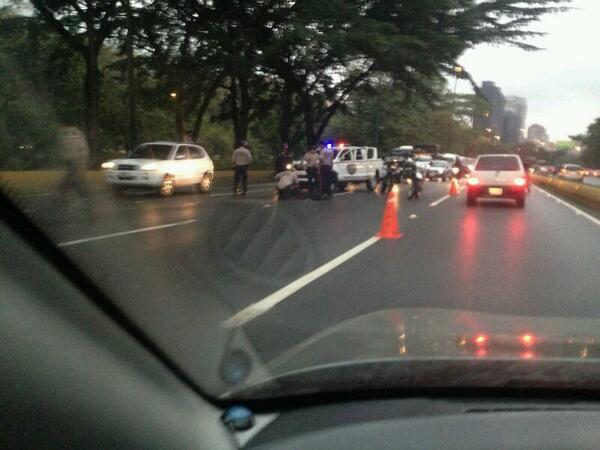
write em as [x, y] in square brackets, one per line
[520, 181]
[527, 340]
[473, 181]
[481, 340]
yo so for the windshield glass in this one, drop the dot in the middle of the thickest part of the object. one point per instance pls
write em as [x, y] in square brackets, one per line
[152, 151]
[497, 163]
[242, 270]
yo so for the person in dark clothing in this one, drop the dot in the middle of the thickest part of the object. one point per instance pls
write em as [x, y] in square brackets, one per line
[326, 166]
[311, 159]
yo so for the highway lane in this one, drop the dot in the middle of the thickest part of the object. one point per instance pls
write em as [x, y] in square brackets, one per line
[224, 254]
[540, 261]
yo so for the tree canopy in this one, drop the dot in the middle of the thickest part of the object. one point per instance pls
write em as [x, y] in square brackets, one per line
[277, 70]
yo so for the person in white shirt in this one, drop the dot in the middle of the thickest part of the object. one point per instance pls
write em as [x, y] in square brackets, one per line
[241, 160]
[287, 182]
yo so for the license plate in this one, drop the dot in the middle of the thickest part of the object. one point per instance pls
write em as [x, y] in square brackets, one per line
[126, 177]
[495, 191]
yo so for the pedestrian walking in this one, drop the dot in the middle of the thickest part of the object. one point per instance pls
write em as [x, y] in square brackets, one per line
[311, 158]
[326, 169]
[241, 160]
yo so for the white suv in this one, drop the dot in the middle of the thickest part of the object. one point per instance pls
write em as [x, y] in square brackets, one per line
[163, 166]
[497, 176]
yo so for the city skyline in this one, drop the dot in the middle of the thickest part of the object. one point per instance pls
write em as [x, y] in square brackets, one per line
[561, 82]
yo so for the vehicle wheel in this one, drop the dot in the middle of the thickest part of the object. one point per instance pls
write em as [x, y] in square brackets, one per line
[520, 201]
[471, 200]
[372, 183]
[341, 187]
[207, 183]
[167, 187]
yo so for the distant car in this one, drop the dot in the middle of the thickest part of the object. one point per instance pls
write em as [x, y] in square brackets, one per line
[163, 166]
[438, 169]
[572, 172]
[497, 176]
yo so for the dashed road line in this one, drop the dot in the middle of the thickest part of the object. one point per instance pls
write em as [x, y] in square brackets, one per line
[125, 233]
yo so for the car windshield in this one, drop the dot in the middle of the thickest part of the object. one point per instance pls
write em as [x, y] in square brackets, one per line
[149, 142]
[152, 151]
[497, 163]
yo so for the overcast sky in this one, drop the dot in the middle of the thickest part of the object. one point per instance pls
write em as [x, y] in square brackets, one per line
[560, 83]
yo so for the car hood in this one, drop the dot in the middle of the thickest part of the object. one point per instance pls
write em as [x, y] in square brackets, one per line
[435, 347]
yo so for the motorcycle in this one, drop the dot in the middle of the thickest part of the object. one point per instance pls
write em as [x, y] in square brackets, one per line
[415, 179]
[394, 175]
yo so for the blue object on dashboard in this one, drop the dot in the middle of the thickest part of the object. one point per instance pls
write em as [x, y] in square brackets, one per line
[238, 418]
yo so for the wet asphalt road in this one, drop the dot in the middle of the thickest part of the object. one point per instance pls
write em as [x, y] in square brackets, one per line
[193, 256]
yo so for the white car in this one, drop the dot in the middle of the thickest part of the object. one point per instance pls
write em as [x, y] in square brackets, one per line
[163, 166]
[497, 176]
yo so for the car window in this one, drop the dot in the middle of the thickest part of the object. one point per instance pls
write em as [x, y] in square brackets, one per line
[346, 156]
[497, 163]
[196, 152]
[152, 151]
[359, 154]
[182, 153]
[371, 153]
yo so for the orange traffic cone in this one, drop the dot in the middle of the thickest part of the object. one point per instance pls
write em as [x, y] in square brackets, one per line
[453, 187]
[389, 224]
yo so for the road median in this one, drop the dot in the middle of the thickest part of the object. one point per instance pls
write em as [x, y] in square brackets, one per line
[583, 193]
[34, 182]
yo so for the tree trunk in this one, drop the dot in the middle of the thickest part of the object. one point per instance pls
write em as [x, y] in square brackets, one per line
[233, 98]
[131, 81]
[92, 99]
[285, 120]
[179, 119]
[245, 106]
[203, 107]
[309, 121]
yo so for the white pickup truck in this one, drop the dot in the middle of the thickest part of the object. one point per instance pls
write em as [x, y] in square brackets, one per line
[352, 164]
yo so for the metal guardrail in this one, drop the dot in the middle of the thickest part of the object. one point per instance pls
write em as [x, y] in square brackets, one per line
[586, 194]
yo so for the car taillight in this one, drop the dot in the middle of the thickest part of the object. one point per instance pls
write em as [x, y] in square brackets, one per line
[520, 181]
[473, 181]
[480, 340]
[528, 340]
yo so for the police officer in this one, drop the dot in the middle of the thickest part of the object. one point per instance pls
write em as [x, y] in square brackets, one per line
[326, 168]
[241, 160]
[311, 158]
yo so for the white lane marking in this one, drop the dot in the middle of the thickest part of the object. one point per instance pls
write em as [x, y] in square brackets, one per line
[262, 306]
[125, 233]
[342, 193]
[229, 194]
[413, 216]
[267, 205]
[576, 210]
[437, 202]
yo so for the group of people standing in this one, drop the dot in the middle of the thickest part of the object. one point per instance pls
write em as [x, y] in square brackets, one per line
[318, 161]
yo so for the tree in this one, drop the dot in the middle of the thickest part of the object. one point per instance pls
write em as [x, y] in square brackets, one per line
[591, 144]
[84, 25]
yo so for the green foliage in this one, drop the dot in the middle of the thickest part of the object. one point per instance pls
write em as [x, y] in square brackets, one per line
[591, 144]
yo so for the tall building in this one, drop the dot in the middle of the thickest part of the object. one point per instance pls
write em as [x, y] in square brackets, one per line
[493, 119]
[537, 133]
[515, 115]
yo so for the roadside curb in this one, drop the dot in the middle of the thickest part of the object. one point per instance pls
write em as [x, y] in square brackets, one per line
[583, 193]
